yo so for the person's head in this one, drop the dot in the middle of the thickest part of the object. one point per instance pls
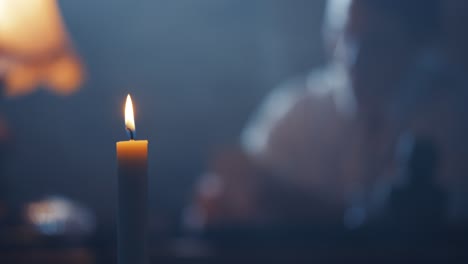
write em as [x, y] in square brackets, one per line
[386, 36]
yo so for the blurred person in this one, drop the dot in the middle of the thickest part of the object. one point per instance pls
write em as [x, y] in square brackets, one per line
[295, 134]
[319, 144]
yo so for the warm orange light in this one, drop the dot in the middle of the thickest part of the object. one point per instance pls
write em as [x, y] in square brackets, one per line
[29, 27]
[35, 48]
[129, 118]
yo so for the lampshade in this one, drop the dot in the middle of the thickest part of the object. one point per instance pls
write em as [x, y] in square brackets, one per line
[35, 48]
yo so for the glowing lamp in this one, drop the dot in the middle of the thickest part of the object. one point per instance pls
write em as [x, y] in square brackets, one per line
[35, 48]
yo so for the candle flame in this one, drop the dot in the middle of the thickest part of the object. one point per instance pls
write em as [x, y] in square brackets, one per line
[129, 118]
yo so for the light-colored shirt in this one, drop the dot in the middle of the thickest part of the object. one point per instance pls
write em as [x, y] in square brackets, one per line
[300, 134]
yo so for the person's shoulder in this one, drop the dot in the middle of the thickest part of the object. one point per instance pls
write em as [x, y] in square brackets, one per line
[296, 105]
[285, 95]
[276, 105]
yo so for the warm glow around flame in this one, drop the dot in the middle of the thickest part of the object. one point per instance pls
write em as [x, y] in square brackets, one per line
[129, 118]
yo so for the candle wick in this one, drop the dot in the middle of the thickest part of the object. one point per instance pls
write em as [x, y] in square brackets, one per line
[130, 132]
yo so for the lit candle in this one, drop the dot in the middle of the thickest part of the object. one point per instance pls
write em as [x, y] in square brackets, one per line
[132, 157]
